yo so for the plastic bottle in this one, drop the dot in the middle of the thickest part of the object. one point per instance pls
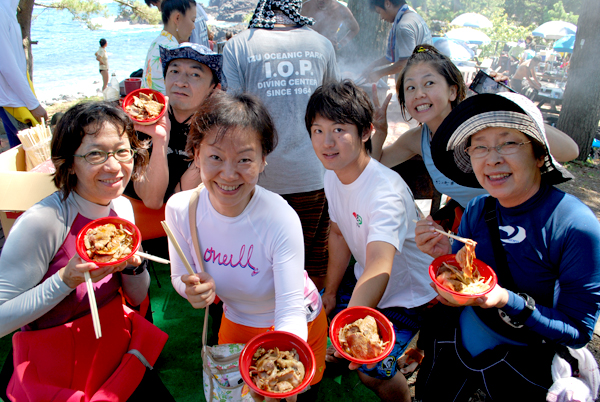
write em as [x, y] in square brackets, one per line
[114, 82]
[112, 92]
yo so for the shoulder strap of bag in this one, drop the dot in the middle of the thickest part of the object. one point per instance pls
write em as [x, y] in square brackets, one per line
[491, 219]
[193, 206]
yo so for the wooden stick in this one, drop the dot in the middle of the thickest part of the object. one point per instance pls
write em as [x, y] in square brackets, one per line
[152, 257]
[462, 239]
[176, 245]
[93, 306]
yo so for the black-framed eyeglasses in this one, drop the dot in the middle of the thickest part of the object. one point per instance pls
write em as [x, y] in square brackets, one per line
[98, 157]
[507, 148]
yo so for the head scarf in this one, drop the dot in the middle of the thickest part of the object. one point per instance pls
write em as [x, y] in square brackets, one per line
[264, 15]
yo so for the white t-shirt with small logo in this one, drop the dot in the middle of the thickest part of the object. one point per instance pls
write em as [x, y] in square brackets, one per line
[379, 206]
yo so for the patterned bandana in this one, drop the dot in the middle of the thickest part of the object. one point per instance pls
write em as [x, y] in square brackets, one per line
[199, 53]
[264, 15]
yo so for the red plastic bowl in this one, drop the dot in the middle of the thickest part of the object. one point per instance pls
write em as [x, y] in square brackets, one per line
[115, 220]
[351, 314]
[284, 341]
[454, 297]
[158, 96]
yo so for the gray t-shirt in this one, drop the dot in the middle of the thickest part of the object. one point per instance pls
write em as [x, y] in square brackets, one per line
[283, 67]
[411, 31]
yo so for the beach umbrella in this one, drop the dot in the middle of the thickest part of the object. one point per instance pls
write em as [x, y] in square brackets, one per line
[469, 35]
[455, 49]
[472, 20]
[565, 44]
[555, 29]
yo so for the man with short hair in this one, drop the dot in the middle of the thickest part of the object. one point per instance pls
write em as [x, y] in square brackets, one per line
[408, 30]
[200, 32]
[192, 72]
[282, 61]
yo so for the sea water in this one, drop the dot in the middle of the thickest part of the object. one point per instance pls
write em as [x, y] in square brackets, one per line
[64, 61]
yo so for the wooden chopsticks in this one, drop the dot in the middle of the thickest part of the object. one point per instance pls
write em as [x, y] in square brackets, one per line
[93, 306]
[462, 239]
[177, 247]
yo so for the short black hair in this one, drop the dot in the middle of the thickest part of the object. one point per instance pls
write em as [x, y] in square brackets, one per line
[381, 3]
[102, 42]
[151, 3]
[88, 118]
[170, 6]
[227, 111]
[341, 102]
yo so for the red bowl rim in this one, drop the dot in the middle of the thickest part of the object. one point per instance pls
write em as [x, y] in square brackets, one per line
[308, 375]
[129, 99]
[81, 250]
[448, 257]
[333, 327]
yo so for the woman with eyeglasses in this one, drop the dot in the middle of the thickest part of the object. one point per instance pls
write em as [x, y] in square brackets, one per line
[543, 244]
[42, 288]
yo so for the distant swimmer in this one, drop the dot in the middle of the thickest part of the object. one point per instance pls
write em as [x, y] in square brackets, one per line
[332, 20]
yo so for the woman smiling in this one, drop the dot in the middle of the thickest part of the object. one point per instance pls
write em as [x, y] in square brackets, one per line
[251, 241]
[543, 244]
[42, 290]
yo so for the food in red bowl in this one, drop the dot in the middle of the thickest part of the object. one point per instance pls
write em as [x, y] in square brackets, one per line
[352, 333]
[145, 106]
[457, 289]
[108, 241]
[274, 342]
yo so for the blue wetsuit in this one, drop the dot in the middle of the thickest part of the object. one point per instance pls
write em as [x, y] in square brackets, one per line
[552, 244]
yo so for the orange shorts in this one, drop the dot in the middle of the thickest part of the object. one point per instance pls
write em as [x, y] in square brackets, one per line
[231, 332]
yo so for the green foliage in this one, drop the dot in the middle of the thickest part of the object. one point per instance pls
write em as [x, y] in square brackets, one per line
[129, 10]
[558, 13]
[503, 31]
[137, 12]
[82, 10]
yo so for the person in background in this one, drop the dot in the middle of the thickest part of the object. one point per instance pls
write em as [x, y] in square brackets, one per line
[200, 33]
[178, 18]
[19, 107]
[228, 35]
[211, 39]
[408, 30]
[543, 244]
[304, 60]
[332, 20]
[264, 286]
[43, 290]
[102, 58]
[373, 216]
[526, 70]
[55, 119]
[192, 73]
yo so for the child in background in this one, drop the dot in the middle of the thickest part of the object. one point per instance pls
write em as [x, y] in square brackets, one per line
[372, 213]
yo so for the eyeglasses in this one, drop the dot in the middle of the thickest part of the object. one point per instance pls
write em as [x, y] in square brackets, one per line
[507, 148]
[98, 157]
